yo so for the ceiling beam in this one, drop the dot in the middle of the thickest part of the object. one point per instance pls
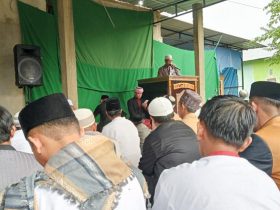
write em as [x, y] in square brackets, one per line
[182, 13]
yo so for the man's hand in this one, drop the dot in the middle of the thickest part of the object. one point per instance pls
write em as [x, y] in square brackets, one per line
[145, 104]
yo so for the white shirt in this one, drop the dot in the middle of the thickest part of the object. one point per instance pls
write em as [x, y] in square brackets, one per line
[131, 197]
[216, 183]
[20, 143]
[126, 134]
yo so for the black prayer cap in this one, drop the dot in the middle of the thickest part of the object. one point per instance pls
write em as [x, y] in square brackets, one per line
[104, 97]
[43, 110]
[265, 89]
[113, 104]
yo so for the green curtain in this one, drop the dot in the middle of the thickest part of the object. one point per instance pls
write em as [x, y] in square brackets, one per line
[184, 60]
[113, 51]
[114, 48]
[39, 28]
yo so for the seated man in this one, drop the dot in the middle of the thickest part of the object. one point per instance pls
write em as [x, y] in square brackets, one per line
[143, 131]
[265, 99]
[169, 144]
[258, 154]
[78, 173]
[18, 141]
[86, 120]
[221, 179]
[14, 165]
[101, 110]
[123, 131]
[87, 123]
[188, 105]
[172, 99]
[137, 107]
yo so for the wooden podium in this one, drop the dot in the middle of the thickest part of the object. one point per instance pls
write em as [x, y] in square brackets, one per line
[169, 85]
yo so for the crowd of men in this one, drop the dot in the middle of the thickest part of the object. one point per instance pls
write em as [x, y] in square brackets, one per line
[223, 154]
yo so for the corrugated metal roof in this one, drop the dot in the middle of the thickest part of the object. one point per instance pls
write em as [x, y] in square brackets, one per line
[180, 34]
[170, 6]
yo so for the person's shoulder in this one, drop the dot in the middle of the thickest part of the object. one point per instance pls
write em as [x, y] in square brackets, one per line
[107, 128]
[181, 171]
[21, 155]
[131, 99]
[37, 177]
[176, 125]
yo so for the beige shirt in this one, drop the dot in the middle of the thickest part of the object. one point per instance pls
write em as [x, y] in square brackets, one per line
[191, 120]
[270, 133]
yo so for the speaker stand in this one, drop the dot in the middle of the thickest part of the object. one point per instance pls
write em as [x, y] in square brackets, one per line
[28, 95]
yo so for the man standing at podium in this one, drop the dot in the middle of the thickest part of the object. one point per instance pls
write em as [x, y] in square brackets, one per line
[168, 69]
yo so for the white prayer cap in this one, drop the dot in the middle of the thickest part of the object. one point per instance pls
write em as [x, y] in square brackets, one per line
[85, 117]
[160, 107]
[70, 102]
[16, 121]
[168, 57]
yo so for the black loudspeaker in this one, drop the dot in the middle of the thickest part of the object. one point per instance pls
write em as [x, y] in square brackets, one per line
[28, 65]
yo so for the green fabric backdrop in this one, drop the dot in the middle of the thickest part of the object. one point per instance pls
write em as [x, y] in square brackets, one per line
[184, 60]
[39, 28]
[113, 50]
[110, 57]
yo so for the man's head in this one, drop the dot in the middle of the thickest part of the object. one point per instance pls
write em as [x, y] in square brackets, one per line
[160, 110]
[189, 103]
[103, 98]
[113, 108]
[7, 128]
[49, 124]
[168, 59]
[225, 123]
[171, 99]
[138, 92]
[86, 119]
[265, 99]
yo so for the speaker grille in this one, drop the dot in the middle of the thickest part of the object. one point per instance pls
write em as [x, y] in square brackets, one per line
[29, 70]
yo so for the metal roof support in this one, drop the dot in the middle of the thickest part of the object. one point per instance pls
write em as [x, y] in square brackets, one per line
[182, 13]
[170, 5]
[205, 38]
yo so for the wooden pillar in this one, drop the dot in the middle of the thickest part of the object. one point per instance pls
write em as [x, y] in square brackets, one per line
[199, 47]
[157, 27]
[67, 50]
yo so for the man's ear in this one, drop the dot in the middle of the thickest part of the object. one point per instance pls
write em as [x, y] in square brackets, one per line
[36, 144]
[13, 130]
[94, 127]
[246, 144]
[82, 131]
[254, 106]
[200, 130]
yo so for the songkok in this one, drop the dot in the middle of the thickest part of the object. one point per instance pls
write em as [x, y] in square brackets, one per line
[85, 117]
[139, 90]
[103, 97]
[16, 121]
[168, 57]
[265, 89]
[160, 107]
[43, 110]
[113, 104]
[191, 100]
